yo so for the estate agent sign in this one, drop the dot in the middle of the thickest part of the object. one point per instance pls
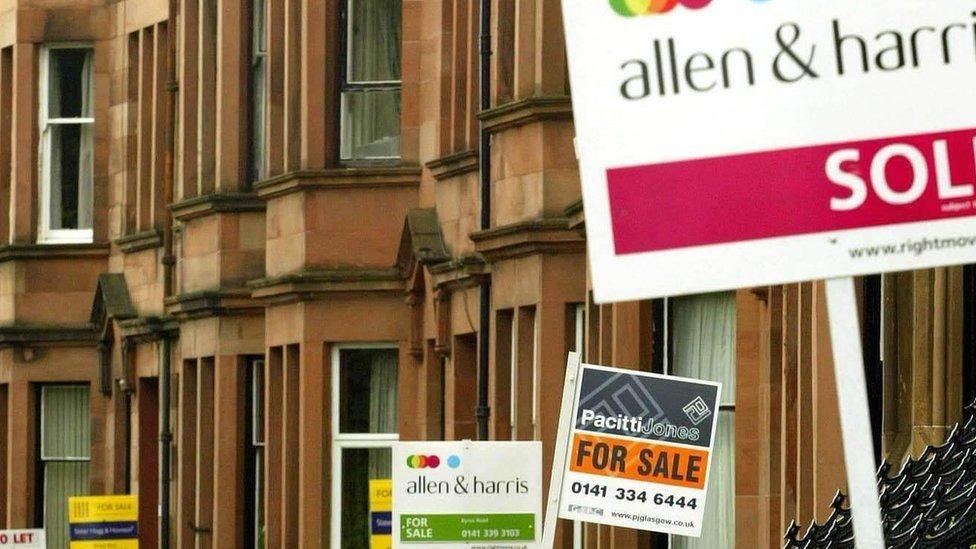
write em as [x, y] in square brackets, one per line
[22, 539]
[640, 450]
[455, 494]
[104, 522]
[736, 143]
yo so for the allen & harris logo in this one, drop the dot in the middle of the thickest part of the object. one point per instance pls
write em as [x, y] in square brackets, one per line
[418, 461]
[633, 8]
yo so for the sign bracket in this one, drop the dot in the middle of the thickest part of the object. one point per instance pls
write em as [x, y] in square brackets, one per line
[561, 452]
[845, 335]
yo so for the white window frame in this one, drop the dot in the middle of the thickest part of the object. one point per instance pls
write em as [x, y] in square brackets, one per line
[45, 234]
[351, 441]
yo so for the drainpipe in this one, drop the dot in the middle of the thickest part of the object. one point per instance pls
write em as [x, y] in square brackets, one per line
[165, 441]
[168, 260]
[482, 412]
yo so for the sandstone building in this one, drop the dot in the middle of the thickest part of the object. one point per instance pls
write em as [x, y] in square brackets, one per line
[244, 247]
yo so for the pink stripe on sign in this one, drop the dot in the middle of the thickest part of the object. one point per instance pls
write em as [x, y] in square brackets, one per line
[789, 192]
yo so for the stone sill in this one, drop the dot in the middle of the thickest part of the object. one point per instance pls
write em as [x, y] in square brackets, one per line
[201, 206]
[308, 284]
[453, 165]
[143, 240]
[19, 335]
[551, 235]
[210, 303]
[525, 111]
[360, 177]
[13, 252]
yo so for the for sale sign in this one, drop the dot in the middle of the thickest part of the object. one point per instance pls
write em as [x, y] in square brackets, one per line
[103, 522]
[640, 450]
[459, 494]
[22, 539]
[736, 143]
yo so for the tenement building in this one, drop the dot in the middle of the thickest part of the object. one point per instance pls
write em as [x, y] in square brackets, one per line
[246, 245]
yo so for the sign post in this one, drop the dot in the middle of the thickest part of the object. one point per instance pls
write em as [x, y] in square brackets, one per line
[854, 417]
[561, 453]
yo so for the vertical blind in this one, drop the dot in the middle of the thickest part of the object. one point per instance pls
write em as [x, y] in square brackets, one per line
[65, 455]
[703, 343]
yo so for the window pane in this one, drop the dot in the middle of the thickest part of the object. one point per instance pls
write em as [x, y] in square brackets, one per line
[703, 339]
[61, 481]
[368, 391]
[69, 83]
[359, 466]
[257, 398]
[374, 40]
[70, 176]
[259, 527]
[371, 124]
[66, 427]
[718, 530]
[258, 102]
[258, 36]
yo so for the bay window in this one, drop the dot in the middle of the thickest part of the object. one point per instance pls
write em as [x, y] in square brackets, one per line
[66, 124]
[364, 428]
[370, 74]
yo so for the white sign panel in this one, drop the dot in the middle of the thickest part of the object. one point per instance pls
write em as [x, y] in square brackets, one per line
[640, 450]
[22, 539]
[459, 494]
[736, 143]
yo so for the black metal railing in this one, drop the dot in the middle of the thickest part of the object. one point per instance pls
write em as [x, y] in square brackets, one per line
[930, 503]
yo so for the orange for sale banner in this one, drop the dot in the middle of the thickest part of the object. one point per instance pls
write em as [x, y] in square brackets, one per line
[644, 461]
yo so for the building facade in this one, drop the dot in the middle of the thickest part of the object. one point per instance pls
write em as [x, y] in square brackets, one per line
[248, 244]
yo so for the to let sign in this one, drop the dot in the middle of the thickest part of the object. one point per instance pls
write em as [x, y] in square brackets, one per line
[22, 539]
[736, 143]
[640, 450]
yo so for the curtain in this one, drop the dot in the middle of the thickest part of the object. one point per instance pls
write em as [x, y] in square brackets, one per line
[382, 407]
[53, 138]
[375, 40]
[372, 116]
[703, 344]
[65, 451]
[85, 148]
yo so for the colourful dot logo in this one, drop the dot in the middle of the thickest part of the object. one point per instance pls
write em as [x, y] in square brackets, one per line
[423, 462]
[418, 461]
[633, 8]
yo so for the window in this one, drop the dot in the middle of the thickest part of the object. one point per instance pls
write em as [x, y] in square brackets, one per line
[254, 527]
[701, 345]
[66, 120]
[364, 426]
[65, 453]
[259, 91]
[370, 96]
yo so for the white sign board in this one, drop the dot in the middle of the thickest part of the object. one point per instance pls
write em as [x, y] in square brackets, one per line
[458, 494]
[22, 539]
[640, 450]
[737, 143]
